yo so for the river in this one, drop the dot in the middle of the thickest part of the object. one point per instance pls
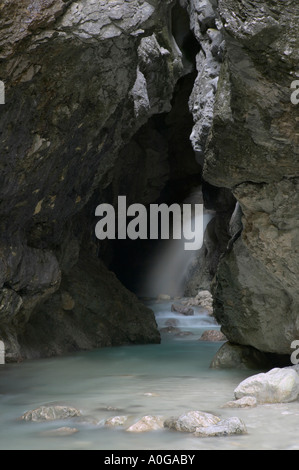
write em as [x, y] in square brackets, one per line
[166, 379]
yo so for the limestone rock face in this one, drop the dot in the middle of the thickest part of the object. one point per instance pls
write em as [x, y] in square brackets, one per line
[206, 25]
[80, 79]
[253, 149]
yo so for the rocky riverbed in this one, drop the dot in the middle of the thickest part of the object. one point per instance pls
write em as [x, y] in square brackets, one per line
[162, 396]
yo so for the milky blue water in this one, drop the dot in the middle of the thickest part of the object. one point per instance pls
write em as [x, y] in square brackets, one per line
[166, 379]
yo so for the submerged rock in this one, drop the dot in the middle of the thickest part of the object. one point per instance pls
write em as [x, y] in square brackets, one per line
[60, 432]
[245, 402]
[171, 322]
[275, 386]
[170, 330]
[189, 422]
[147, 423]
[116, 421]
[184, 333]
[183, 310]
[225, 427]
[51, 413]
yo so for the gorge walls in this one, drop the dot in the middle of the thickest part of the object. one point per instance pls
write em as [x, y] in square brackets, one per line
[81, 78]
[252, 149]
[97, 96]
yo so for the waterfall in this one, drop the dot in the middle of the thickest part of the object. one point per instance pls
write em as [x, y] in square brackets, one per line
[171, 262]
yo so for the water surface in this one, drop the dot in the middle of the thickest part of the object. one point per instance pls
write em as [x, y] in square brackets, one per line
[166, 379]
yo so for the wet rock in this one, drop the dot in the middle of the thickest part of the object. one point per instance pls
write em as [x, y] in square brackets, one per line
[184, 333]
[116, 421]
[189, 422]
[65, 160]
[51, 413]
[163, 297]
[88, 283]
[275, 386]
[232, 356]
[171, 322]
[170, 330]
[146, 424]
[61, 432]
[245, 402]
[257, 279]
[212, 335]
[203, 299]
[225, 427]
[187, 311]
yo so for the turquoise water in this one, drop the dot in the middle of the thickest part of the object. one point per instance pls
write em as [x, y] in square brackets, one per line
[166, 379]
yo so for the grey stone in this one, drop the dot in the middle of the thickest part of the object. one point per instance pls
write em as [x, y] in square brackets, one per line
[146, 424]
[119, 61]
[212, 335]
[116, 421]
[190, 421]
[245, 402]
[225, 427]
[253, 148]
[233, 356]
[187, 311]
[275, 386]
[51, 413]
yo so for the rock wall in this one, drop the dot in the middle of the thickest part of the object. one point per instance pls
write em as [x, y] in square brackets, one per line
[206, 26]
[81, 78]
[84, 83]
[253, 149]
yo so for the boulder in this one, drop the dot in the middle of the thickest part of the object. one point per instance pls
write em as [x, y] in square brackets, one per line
[147, 423]
[275, 386]
[212, 335]
[245, 402]
[189, 422]
[225, 427]
[116, 421]
[203, 299]
[51, 413]
[183, 310]
[233, 356]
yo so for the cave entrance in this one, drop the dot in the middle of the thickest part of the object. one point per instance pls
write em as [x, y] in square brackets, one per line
[162, 169]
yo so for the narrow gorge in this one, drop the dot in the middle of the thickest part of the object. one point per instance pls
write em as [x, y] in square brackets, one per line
[153, 100]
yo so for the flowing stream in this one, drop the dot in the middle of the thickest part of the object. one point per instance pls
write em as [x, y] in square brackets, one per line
[166, 379]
